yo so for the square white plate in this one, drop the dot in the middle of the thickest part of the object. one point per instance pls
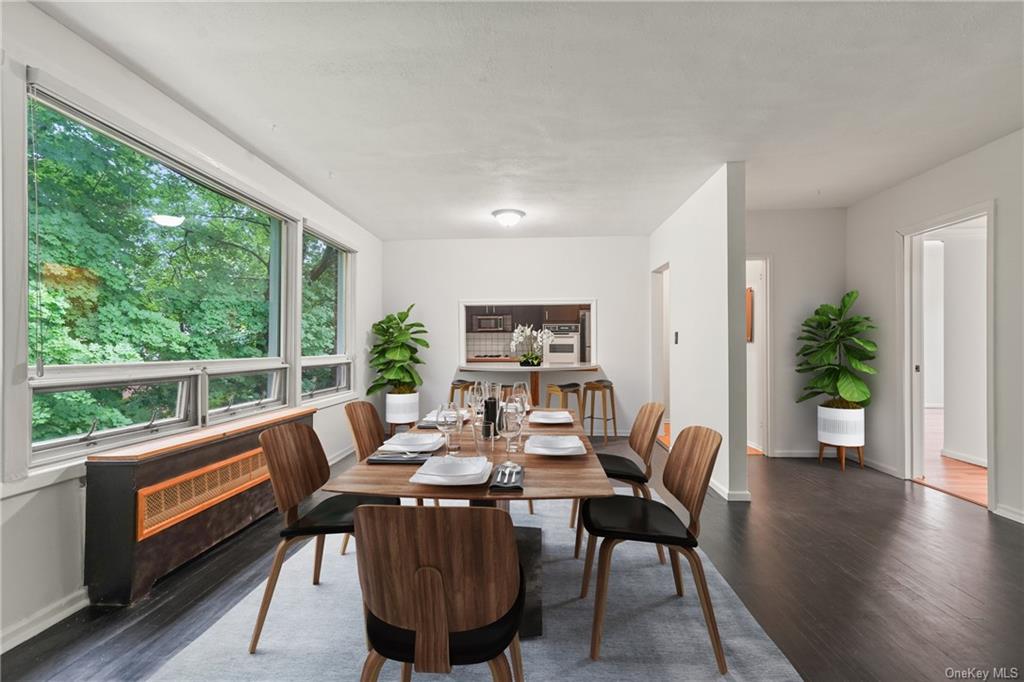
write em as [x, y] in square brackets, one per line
[408, 441]
[453, 471]
[559, 417]
[554, 442]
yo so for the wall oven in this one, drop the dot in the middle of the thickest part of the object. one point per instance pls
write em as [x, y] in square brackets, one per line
[564, 348]
[492, 323]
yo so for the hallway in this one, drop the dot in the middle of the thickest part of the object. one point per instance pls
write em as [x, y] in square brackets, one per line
[960, 479]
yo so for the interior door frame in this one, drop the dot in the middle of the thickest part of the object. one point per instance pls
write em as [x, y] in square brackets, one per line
[660, 345]
[909, 251]
[766, 379]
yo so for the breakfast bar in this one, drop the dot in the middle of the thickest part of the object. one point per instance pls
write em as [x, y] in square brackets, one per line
[534, 372]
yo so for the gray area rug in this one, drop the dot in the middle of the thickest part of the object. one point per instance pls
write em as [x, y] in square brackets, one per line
[316, 632]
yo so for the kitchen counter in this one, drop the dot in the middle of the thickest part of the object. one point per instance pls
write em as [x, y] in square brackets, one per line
[534, 372]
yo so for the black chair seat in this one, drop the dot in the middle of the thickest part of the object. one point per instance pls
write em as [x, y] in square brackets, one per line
[333, 515]
[602, 382]
[621, 468]
[460, 382]
[634, 518]
[568, 387]
[467, 647]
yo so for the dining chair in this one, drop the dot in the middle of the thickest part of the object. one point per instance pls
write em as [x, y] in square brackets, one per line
[620, 518]
[642, 436]
[432, 608]
[298, 467]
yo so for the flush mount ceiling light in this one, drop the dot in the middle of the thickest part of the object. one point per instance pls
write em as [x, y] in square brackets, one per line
[508, 217]
[167, 220]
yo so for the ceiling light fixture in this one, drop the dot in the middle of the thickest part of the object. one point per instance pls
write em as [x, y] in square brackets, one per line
[167, 220]
[508, 217]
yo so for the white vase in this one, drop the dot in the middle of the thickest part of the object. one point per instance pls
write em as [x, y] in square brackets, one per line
[841, 427]
[402, 408]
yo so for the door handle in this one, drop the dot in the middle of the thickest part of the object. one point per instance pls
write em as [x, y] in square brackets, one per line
[917, 368]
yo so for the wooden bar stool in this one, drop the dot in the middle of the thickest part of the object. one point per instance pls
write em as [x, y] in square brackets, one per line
[563, 391]
[607, 390]
[460, 385]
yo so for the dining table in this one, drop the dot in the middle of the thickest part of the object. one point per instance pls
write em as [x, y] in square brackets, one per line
[545, 477]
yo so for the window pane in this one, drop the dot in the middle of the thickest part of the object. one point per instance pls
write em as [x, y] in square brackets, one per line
[235, 394]
[323, 297]
[326, 379]
[102, 409]
[131, 261]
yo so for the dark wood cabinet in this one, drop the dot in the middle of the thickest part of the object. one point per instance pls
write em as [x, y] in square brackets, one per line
[528, 315]
[561, 313]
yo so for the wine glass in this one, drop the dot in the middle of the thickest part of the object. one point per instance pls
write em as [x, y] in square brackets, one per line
[519, 390]
[510, 422]
[448, 421]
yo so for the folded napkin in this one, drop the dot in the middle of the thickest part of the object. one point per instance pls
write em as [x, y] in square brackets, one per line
[513, 484]
[397, 458]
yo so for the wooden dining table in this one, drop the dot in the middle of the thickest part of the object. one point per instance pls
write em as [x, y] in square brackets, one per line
[544, 478]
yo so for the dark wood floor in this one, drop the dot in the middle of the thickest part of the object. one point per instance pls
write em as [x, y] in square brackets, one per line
[855, 576]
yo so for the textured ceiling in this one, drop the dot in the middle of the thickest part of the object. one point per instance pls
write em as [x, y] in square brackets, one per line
[417, 120]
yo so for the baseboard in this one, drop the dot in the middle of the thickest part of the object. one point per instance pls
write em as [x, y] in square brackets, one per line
[1009, 512]
[800, 453]
[851, 456]
[27, 628]
[752, 444]
[340, 455]
[964, 457]
[729, 495]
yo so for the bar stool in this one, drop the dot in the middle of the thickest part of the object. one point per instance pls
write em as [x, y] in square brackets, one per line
[563, 391]
[607, 390]
[460, 385]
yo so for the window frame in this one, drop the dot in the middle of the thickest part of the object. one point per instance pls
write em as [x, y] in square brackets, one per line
[326, 397]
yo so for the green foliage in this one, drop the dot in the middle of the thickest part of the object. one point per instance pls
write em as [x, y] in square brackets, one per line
[395, 355]
[836, 353]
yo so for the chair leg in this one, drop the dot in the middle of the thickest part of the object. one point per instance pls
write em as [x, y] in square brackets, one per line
[407, 672]
[371, 667]
[318, 560]
[593, 412]
[437, 502]
[345, 537]
[600, 599]
[547, 397]
[646, 492]
[677, 574]
[529, 505]
[604, 415]
[419, 501]
[516, 650]
[615, 424]
[579, 405]
[575, 511]
[587, 564]
[705, 603]
[579, 536]
[268, 592]
[499, 668]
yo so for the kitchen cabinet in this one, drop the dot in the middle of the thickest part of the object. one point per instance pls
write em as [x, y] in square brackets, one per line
[561, 313]
[528, 315]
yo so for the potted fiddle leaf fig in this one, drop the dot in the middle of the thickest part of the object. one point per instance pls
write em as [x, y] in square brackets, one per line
[394, 357]
[836, 354]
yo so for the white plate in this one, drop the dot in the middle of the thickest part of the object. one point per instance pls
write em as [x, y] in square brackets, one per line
[555, 452]
[431, 417]
[413, 442]
[554, 442]
[559, 417]
[453, 466]
[482, 476]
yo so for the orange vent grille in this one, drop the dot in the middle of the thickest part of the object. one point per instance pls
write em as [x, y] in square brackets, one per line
[164, 504]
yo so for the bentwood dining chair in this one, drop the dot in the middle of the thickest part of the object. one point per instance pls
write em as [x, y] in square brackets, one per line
[298, 467]
[642, 437]
[433, 608]
[619, 518]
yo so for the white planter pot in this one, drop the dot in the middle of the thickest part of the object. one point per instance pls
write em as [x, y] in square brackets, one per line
[841, 427]
[402, 408]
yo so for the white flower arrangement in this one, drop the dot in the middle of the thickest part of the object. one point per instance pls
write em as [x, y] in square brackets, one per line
[532, 340]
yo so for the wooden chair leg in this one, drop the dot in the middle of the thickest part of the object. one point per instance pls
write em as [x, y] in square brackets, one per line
[547, 397]
[563, 400]
[705, 603]
[821, 452]
[574, 513]
[588, 562]
[499, 668]
[318, 560]
[371, 667]
[268, 592]
[604, 415]
[677, 574]
[600, 599]
[529, 505]
[615, 424]
[646, 492]
[516, 650]
[860, 455]
[345, 537]
[419, 501]
[437, 502]
[579, 536]
[593, 411]
[407, 672]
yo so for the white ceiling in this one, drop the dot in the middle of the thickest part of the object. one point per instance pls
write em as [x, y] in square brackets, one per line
[417, 120]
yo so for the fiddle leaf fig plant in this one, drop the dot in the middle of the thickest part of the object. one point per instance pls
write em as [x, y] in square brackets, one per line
[395, 354]
[836, 353]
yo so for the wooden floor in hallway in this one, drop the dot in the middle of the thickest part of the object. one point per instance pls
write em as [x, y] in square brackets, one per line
[964, 480]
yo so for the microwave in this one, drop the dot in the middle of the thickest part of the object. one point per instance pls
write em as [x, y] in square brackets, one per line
[492, 323]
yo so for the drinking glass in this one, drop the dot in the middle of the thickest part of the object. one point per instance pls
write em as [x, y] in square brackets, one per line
[519, 390]
[482, 430]
[510, 422]
[448, 421]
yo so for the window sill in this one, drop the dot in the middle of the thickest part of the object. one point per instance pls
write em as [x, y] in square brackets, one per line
[330, 400]
[44, 477]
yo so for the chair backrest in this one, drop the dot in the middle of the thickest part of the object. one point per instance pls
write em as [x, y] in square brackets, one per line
[297, 465]
[645, 431]
[367, 430]
[436, 570]
[688, 469]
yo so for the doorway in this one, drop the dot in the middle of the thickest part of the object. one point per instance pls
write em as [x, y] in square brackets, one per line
[756, 332]
[661, 326]
[950, 340]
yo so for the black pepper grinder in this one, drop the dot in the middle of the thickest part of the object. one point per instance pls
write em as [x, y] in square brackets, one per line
[490, 416]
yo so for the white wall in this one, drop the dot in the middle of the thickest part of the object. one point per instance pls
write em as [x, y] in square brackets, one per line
[991, 173]
[965, 340]
[703, 244]
[42, 527]
[436, 274]
[933, 329]
[757, 360]
[806, 268]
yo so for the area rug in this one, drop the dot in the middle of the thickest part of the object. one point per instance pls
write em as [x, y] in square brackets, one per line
[316, 632]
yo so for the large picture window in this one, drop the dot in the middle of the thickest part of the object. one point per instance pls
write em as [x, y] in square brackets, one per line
[132, 262]
[325, 366]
